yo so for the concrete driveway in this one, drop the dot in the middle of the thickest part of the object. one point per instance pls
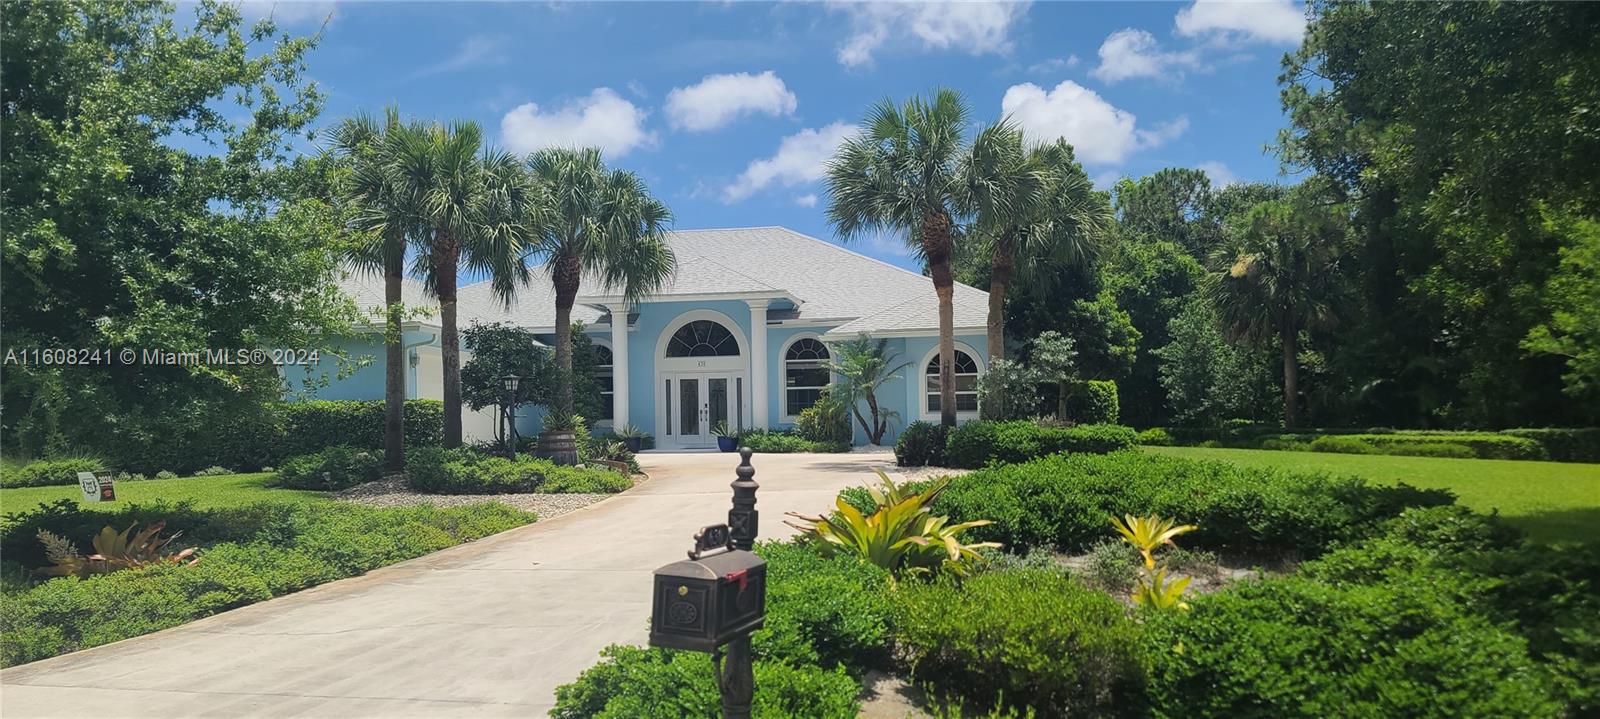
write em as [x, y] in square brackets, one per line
[489, 628]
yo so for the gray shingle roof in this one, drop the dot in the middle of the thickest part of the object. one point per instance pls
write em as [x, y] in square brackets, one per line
[831, 283]
[365, 288]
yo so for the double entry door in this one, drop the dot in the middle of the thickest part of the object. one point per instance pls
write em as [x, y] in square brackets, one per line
[698, 401]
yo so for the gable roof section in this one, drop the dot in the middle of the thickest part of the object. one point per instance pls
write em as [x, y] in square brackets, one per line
[365, 288]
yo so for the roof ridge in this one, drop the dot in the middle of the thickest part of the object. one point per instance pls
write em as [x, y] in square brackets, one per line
[868, 258]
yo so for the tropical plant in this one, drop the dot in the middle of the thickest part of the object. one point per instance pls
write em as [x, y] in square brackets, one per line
[721, 429]
[113, 551]
[596, 223]
[1055, 359]
[557, 420]
[1147, 534]
[1155, 590]
[469, 206]
[911, 172]
[1277, 273]
[629, 431]
[862, 365]
[900, 534]
[1008, 390]
[826, 421]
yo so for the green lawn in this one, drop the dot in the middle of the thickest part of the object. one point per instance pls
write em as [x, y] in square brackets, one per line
[206, 492]
[1552, 501]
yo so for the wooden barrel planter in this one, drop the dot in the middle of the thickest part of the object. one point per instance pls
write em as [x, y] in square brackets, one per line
[559, 446]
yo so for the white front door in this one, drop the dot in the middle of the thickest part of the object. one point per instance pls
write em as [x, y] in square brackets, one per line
[699, 401]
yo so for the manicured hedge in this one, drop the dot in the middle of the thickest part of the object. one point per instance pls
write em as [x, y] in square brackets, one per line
[467, 471]
[1095, 403]
[48, 472]
[976, 444]
[332, 468]
[775, 441]
[630, 682]
[248, 554]
[922, 443]
[1560, 445]
[1565, 445]
[1065, 502]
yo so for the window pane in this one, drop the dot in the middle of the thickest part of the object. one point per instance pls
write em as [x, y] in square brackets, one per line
[806, 349]
[608, 409]
[799, 375]
[966, 383]
[669, 407]
[799, 399]
[966, 402]
[703, 338]
[933, 402]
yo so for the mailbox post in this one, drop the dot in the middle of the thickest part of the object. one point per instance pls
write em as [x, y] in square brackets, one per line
[713, 600]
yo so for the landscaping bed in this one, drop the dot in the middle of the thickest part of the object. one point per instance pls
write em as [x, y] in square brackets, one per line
[1558, 445]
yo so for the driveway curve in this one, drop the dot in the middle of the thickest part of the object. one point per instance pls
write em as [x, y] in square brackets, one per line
[488, 628]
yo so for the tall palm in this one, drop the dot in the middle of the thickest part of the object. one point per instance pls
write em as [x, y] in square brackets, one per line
[474, 207]
[1038, 213]
[596, 222]
[862, 365]
[380, 224]
[912, 172]
[1276, 274]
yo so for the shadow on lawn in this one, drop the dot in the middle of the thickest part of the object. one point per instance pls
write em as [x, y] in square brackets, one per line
[1560, 525]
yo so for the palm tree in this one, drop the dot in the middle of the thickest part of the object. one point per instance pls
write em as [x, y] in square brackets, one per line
[381, 226]
[862, 365]
[910, 171]
[596, 222]
[1039, 213]
[474, 207]
[1275, 274]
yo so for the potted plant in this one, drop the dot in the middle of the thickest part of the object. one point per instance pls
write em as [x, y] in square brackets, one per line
[632, 437]
[558, 441]
[727, 440]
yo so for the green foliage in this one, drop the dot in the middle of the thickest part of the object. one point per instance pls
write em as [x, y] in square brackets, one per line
[1154, 437]
[861, 365]
[214, 471]
[166, 474]
[1112, 566]
[921, 444]
[113, 552]
[632, 682]
[467, 471]
[1564, 445]
[1205, 377]
[247, 555]
[979, 443]
[1062, 501]
[1094, 403]
[1007, 390]
[47, 472]
[1341, 444]
[1028, 639]
[1572, 331]
[897, 533]
[499, 350]
[832, 611]
[778, 441]
[331, 469]
[826, 421]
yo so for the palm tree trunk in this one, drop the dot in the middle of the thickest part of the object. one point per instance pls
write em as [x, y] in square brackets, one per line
[394, 378]
[1291, 376]
[566, 277]
[999, 279]
[875, 432]
[936, 249]
[447, 256]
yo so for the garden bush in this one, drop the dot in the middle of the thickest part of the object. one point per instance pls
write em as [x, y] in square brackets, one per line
[1341, 445]
[771, 441]
[331, 469]
[48, 472]
[1564, 445]
[466, 471]
[1155, 437]
[1066, 501]
[247, 554]
[828, 611]
[976, 444]
[1027, 639]
[1095, 403]
[1449, 450]
[632, 682]
[921, 444]
[825, 421]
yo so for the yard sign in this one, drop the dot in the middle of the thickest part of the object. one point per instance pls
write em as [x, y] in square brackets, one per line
[97, 487]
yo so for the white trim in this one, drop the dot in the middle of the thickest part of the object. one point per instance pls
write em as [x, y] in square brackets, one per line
[783, 371]
[835, 334]
[604, 300]
[671, 367]
[759, 368]
[920, 381]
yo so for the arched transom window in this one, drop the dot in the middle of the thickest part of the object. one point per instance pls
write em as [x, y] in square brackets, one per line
[805, 375]
[603, 377]
[703, 338]
[966, 371]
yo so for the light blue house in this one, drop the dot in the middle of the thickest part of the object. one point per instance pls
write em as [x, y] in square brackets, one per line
[738, 335]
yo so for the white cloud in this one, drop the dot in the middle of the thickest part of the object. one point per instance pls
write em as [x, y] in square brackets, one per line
[475, 50]
[602, 119]
[289, 12]
[977, 28]
[1053, 65]
[1275, 21]
[801, 157]
[718, 99]
[1219, 174]
[807, 200]
[1129, 53]
[1100, 132]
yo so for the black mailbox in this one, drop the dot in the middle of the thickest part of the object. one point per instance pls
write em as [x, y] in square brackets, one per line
[715, 596]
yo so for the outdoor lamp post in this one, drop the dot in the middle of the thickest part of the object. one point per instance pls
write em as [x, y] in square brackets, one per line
[510, 382]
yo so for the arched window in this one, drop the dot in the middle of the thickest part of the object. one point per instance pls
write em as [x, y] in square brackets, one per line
[966, 383]
[703, 338]
[603, 362]
[805, 374]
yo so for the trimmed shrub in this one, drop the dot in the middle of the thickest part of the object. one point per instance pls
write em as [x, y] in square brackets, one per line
[465, 471]
[921, 444]
[633, 682]
[976, 444]
[829, 611]
[1449, 450]
[1095, 403]
[1023, 639]
[1296, 647]
[1155, 437]
[772, 441]
[1065, 502]
[825, 421]
[1486, 445]
[331, 469]
[1564, 445]
[214, 471]
[48, 472]
[1341, 445]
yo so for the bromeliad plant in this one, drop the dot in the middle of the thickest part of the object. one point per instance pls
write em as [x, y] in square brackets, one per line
[113, 551]
[900, 534]
[1147, 534]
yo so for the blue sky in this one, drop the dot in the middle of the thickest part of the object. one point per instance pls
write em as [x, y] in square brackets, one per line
[728, 109]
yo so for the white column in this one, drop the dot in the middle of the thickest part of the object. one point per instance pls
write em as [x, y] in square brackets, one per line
[758, 363]
[619, 366]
